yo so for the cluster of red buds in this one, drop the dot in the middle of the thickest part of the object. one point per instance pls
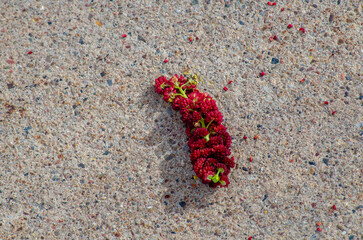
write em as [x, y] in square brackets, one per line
[209, 141]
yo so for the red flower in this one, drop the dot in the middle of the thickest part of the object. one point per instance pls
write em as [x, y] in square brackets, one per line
[214, 116]
[209, 141]
[289, 26]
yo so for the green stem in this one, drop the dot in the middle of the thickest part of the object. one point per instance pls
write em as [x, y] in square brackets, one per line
[182, 93]
[209, 123]
[216, 177]
[207, 137]
[202, 122]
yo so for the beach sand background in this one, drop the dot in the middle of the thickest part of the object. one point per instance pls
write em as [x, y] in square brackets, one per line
[88, 150]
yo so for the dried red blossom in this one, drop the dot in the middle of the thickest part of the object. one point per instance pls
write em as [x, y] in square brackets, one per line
[326, 102]
[225, 89]
[262, 74]
[166, 60]
[30, 52]
[290, 26]
[209, 141]
[124, 35]
[302, 30]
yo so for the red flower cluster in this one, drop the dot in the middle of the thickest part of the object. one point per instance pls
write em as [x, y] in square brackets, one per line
[209, 140]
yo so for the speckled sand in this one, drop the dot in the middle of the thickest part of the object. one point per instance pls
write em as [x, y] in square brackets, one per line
[88, 150]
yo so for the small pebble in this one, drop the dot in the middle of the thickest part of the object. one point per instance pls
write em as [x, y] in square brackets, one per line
[326, 161]
[182, 204]
[274, 61]
[81, 165]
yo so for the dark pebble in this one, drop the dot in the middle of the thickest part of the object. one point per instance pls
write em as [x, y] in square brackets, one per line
[169, 157]
[81, 165]
[331, 17]
[195, 2]
[346, 94]
[81, 41]
[103, 74]
[312, 163]
[27, 129]
[326, 161]
[49, 23]
[106, 153]
[182, 204]
[259, 126]
[275, 61]
[242, 23]
[141, 38]
[244, 169]
[173, 232]
[264, 198]
[109, 82]
[348, 78]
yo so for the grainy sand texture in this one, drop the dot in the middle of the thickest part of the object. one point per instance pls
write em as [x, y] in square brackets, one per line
[88, 150]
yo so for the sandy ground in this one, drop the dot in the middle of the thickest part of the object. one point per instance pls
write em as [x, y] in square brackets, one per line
[88, 150]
